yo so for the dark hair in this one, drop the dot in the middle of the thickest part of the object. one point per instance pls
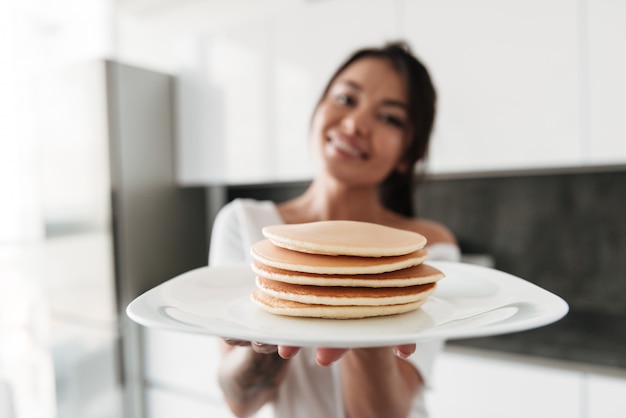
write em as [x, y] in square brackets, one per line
[397, 190]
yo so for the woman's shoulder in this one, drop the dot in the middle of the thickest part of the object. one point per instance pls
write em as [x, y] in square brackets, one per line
[245, 216]
[435, 232]
[237, 226]
[442, 244]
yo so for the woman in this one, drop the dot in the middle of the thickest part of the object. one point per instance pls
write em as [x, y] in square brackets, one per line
[369, 129]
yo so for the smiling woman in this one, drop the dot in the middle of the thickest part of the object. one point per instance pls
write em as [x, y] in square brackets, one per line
[358, 128]
[370, 126]
[409, 105]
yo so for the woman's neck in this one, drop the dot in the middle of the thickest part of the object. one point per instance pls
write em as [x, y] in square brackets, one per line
[324, 200]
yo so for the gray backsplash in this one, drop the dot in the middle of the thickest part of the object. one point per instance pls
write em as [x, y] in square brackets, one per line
[566, 232]
[563, 232]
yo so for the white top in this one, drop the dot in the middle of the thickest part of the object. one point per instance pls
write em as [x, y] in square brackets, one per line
[309, 390]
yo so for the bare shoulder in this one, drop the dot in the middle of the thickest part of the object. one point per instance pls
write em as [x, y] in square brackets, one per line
[435, 232]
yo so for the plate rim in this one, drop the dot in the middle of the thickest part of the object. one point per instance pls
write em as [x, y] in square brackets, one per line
[142, 311]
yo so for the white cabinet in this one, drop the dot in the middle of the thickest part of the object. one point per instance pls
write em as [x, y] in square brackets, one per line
[522, 85]
[475, 386]
[222, 113]
[508, 79]
[484, 384]
[606, 35]
[606, 396]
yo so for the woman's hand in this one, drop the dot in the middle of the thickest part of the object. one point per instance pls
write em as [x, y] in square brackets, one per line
[324, 356]
[327, 356]
[379, 382]
[251, 373]
[283, 351]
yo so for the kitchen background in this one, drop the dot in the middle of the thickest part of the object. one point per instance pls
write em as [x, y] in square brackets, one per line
[126, 124]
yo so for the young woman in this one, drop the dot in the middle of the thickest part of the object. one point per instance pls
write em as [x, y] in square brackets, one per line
[369, 129]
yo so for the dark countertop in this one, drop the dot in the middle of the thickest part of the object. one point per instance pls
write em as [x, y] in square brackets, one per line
[584, 337]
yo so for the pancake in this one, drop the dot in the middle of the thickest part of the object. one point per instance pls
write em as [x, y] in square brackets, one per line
[344, 296]
[410, 276]
[362, 239]
[269, 254]
[341, 269]
[290, 308]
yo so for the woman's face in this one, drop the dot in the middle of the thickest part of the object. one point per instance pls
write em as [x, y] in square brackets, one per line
[358, 129]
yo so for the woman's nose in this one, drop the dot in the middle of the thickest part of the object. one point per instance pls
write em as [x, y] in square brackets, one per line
[356, 122]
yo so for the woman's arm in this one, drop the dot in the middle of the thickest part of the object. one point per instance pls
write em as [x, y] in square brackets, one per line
[250, 375]
[376, 382]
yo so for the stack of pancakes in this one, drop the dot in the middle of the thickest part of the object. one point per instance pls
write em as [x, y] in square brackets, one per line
[341, 269]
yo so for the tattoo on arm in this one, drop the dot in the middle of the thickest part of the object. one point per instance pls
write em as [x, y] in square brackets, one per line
[261, 374]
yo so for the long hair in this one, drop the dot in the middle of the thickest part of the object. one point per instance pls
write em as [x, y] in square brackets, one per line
[397, 190]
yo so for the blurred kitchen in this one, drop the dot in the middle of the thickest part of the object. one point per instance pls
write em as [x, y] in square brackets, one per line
[126, 124]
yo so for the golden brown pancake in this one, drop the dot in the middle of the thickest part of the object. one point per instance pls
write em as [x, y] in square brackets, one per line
[411, 276]
[344, 296]
[291, 308]
[341, 269]
[353, 238]
[269, 254]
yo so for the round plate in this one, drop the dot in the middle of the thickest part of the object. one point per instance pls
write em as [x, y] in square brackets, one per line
[471, 301]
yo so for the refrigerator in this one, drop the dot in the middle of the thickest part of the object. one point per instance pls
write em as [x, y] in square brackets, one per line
[115, 224]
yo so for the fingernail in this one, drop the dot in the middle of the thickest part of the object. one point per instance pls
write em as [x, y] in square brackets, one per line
[284, 355]
[401, 354]
[319, 362]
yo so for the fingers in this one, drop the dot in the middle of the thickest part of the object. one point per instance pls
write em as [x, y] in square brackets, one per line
[287, 352]
[284, 351]
[404, 351]
[235, 342]
[256, 346]
[263, 348]
[327, 356]
[324, 356]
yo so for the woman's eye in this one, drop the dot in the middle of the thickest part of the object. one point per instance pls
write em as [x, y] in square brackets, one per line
[344, 99]
[393, 120]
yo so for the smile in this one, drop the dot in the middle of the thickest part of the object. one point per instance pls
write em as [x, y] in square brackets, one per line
[345, 147]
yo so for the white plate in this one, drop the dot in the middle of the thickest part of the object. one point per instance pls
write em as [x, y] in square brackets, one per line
[471, 301]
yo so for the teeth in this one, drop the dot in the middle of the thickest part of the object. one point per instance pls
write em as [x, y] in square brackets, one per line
[344, 146]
